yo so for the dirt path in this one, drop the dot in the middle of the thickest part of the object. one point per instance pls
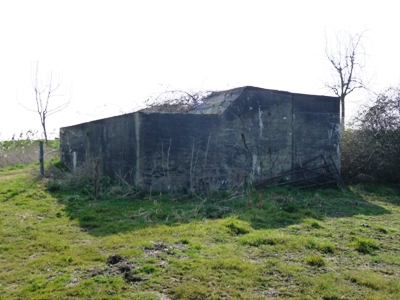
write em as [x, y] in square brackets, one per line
[7, 175]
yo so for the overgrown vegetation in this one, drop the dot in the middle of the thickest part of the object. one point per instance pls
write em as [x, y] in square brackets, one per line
[177, 101]
[281, 243]
[371, 150]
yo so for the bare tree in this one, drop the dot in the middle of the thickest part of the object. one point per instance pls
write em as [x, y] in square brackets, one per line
[347, 58]
[45, 92]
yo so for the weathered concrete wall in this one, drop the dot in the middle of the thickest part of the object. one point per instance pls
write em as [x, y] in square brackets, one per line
[113, 140]
[177, 151]
[316, 127]
[241, 136]
[258, 127]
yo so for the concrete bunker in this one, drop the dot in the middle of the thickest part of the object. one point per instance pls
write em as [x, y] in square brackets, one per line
[236, 138]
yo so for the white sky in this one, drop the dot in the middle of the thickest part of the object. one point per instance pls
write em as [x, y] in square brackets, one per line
[116, 54]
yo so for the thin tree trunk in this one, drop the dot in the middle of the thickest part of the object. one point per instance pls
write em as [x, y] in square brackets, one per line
[45, 132]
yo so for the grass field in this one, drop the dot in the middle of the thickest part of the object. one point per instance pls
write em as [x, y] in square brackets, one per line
[57, 243]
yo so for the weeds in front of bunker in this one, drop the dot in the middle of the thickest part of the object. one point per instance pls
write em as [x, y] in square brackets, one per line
[279, 243]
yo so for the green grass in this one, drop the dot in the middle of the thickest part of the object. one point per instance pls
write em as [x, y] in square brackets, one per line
[315, 260]
[279, 243]
[365, 245]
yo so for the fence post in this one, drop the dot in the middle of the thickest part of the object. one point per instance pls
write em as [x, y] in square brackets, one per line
[74, 160]
[41, 158]
[96, 178]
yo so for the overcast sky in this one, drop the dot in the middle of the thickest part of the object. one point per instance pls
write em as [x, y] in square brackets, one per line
[116, 54]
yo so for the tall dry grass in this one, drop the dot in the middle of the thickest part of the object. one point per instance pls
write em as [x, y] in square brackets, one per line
[23, 149]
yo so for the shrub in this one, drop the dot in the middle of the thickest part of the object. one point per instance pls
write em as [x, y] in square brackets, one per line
[371, 150]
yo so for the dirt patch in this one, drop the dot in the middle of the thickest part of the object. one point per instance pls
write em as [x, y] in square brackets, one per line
[160, 248]
[118, 265]
[7, 177]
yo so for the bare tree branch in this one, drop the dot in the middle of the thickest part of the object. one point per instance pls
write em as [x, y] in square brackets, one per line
[348, 61]
[177, 101]
[45, 93]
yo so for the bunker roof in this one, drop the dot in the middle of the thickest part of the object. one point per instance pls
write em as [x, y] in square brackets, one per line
[218, 102]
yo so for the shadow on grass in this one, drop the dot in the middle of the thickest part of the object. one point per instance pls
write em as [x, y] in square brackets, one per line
[384, 193]
[270, 208]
